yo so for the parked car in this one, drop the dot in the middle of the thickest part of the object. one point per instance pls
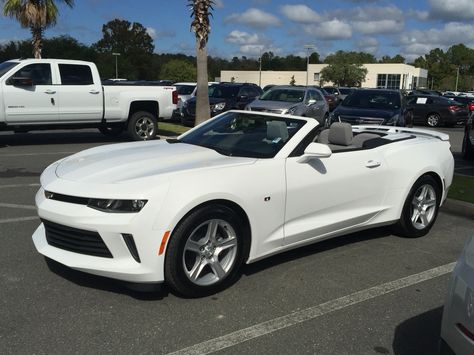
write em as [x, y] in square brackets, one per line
[425, 92]
[468, 101]
[293, 100]
[437, 110]
[268, 87]
[222, 97]
[372, 106]
[340, 92]
[331, 99]
[468, 139]
[240, 187]
[457, 325]
[59, 93]
[185, 92]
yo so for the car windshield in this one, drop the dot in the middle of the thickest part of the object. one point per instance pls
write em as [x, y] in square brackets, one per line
[331, 90]
[345, 91]
[373, 99]
[283, 95]
[6, 66]
[223, 91]
[245, 134]
[185, 89]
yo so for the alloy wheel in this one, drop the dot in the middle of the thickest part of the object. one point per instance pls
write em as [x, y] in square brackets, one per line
[145, 128]
[423, 206]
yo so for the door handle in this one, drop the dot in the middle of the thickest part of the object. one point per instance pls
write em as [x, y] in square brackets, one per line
[94, 92]
[372, 164]
[50, 92]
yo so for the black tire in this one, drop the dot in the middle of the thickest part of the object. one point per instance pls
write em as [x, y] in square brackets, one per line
[467, 149]
[142, 126]
[433, 120]
[190, 249]
[112, 130]
[411, 224]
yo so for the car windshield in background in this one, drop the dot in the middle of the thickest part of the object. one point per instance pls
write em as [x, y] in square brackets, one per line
[345, 91]
[223, 92]
[373, 99]
[185, 89]
[283, 95]
[245, 134]
[6, 66]
[330, 90]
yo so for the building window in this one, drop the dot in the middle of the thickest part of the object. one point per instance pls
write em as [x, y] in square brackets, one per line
[317, 77]
[388, 81]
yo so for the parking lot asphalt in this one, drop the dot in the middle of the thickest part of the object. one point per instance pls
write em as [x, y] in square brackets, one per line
[365, 293]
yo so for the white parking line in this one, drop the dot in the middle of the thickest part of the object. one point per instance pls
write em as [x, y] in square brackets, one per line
[13, 205]
[21, 219]
[18, 185]
[289, 320]
[35, 154]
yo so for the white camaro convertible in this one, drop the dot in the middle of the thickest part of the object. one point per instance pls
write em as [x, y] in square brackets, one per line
[236, 189]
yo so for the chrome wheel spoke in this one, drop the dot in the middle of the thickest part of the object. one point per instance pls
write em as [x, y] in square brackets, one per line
[212, 231]
[430, 203]
[424, 219]
[415, 216]
[217, 269]
[197, 269]
[224, 244]
[193, 246]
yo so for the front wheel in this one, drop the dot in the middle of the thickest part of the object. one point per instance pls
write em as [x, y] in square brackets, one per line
[205, 252]
[142, 126]
[420, 209]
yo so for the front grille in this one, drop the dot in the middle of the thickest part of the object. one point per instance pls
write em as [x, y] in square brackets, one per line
[75, 240]
[361, 120]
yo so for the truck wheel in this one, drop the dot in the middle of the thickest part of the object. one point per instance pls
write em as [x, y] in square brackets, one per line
[142, 126]
[111, 130]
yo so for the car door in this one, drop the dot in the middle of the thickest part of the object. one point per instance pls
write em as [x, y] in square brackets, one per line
[80, 98]
[30, 96]
[333, 194]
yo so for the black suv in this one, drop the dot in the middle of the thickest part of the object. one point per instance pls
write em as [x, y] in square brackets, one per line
[373, 106]
[223, 97]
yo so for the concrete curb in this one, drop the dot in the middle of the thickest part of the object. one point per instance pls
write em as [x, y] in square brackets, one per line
[460, 208]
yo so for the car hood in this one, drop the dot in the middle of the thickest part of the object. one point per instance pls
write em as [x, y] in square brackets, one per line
[120, 163]
[274, 105]
[364, 112]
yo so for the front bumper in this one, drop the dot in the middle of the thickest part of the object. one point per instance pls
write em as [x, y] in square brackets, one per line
[111, 227]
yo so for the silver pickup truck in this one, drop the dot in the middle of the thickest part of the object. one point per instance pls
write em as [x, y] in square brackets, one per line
[57, 93]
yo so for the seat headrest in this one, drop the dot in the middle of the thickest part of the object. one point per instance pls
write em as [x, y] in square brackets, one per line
[277, 129]
[340, 133]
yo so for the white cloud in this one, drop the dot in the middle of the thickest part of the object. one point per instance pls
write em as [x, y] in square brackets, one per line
[330, 30]
[255, 18]
[378, 27]
[151, 32]
[218, 4]
[240, 37]
[451, 10]
[368, 44]
[300, 13]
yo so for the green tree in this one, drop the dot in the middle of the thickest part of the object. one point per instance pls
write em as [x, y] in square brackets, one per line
[292, 81]
[345, 68]
[178, 70]
[350, 58]
[200, 25]
[395, 59]
[37, 15]
[68, 48]
[135, 46]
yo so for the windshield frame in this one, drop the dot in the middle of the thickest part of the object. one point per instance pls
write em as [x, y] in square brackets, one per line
[273, 91]
[230, 137]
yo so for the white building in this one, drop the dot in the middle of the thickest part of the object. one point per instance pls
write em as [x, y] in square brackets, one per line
[384, 75]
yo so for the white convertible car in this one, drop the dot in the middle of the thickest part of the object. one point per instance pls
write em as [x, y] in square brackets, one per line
[236, 189]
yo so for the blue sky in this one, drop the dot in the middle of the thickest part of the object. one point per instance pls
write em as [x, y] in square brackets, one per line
[245, 27]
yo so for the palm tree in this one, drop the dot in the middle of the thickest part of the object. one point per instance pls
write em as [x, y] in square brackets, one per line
[37, 15]
[201, 27]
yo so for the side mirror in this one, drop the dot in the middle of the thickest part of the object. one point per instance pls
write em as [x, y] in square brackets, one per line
[311, 102]
[315, 150]
[243, 97]
[21, 81]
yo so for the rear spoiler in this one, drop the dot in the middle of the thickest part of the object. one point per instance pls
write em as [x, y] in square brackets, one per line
[415, 131]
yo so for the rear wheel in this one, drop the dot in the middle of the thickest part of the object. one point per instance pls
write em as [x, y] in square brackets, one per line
[205, 252]
[142, 126]
[433, 120]
[420, 209]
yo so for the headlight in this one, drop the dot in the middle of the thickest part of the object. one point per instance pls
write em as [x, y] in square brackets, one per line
[219, 107]
[292, 110]
[117, 206]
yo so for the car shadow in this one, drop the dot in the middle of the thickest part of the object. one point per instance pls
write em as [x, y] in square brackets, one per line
[142, 292]
[57, 137]
[315, 248]
[419, 335]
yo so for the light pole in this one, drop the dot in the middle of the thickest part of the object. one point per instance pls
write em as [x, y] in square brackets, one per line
[260, 69]
[308, 48]
[116, 64]
[457, 80]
